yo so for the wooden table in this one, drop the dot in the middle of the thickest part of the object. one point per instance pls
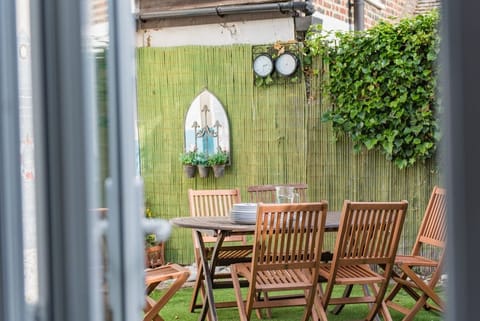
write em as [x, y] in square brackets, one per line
[221, 227]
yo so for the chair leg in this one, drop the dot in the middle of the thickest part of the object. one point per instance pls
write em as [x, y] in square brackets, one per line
[149, 304]
[242, 311]
[401, 283]
[427, 289]
[268, 311]
[318, 312]
[384, 312]
[421, 303]
[196, 288]
[310, 297]
[379, 305]
[258, 312]
[152, 314]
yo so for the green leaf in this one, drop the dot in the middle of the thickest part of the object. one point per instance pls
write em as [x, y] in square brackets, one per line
[370, 143]
[258, 82]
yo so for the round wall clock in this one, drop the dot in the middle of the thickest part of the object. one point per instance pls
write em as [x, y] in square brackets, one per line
[263, 65]
[286, 64]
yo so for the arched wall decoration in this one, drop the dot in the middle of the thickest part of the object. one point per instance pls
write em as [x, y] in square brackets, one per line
[206, 125]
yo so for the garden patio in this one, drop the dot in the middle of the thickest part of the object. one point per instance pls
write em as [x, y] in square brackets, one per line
[287, 132]
[291, 129]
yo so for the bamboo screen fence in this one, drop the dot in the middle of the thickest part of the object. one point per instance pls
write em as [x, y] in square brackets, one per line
[276, 137]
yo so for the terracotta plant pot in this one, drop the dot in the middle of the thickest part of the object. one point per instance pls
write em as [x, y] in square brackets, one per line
[155, 256]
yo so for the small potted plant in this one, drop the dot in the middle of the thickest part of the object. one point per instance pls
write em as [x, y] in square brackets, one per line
[218, 162]
[154, 250]
[189, 162]
[202, 164]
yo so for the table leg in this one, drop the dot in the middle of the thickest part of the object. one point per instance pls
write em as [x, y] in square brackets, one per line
[208, 274]
[346, 293]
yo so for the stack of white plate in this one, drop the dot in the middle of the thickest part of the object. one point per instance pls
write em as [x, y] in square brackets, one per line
[244, 213]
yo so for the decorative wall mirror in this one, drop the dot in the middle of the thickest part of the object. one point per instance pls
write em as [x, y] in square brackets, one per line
[206, 125]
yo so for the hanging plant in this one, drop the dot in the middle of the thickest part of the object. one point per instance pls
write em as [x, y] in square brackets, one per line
[202, 164]
[218, 162]
[189, 162]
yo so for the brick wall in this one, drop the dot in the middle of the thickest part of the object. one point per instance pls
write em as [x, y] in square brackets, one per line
[99, 11]
[390, 10]
[336, 14]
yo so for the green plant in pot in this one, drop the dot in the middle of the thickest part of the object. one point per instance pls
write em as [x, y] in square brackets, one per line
[202, 164]
[218, 162]
[189, 162]
[154, 250]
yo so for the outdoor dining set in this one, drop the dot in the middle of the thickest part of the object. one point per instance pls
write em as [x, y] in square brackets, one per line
[274, 247]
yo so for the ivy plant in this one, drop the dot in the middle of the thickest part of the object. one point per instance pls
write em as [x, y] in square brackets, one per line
[382, 84]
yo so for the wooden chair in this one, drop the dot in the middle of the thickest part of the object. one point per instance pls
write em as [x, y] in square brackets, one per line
[368, 235]
[153, 277]
[217, 202]
[431, 235]
[286, 256]
[267, 193]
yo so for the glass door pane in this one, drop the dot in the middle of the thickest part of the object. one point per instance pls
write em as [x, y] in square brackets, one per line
[82, 197]
[72, 199]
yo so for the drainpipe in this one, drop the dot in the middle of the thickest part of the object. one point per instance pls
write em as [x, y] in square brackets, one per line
[282, 7]
[358, 15]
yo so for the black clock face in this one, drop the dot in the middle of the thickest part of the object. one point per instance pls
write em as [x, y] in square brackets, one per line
[263, 65]
[286, 64]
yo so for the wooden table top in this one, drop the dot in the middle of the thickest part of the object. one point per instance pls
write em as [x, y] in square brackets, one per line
[223, 223]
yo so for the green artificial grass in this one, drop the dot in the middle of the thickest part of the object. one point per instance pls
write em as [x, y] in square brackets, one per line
[178, 309]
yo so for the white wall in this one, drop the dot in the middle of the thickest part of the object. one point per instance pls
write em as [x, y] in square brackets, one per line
[329, 23]
[241, 32]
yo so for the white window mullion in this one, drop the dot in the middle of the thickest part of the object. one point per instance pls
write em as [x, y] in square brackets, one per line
[69, 271]
[124, 192]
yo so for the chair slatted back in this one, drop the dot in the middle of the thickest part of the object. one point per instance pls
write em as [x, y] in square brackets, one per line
[433, 229]
[368, 235]
[214, 202]
[289, 236]
[286, 256]
[369, 232]
[267, 193]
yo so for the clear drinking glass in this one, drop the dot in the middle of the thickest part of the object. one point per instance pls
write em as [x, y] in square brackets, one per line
[286, 194]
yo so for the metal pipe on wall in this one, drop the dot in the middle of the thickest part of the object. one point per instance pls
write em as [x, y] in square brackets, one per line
[283, 7]
[358, 14]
